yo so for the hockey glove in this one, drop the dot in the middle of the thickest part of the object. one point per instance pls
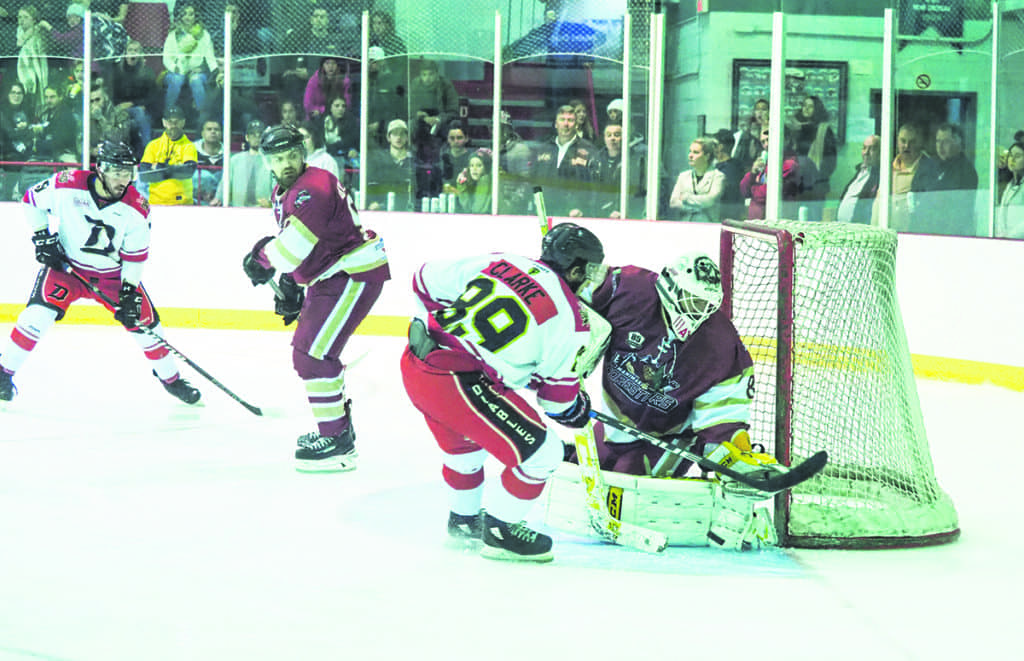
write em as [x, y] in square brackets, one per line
[289, 306]
[48, 250]
[129, 306]
[575, 416]
[258, 274]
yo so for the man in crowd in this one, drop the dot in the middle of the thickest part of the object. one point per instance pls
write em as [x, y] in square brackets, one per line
[169, 162]
[944, 189]
[857, 197]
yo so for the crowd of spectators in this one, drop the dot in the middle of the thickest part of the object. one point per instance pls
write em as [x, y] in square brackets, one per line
[161, 65]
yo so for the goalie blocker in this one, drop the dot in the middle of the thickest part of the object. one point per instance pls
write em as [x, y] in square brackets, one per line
[689, 511]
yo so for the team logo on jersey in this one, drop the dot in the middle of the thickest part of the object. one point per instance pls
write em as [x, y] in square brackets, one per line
[647, 380]
[302, 197]
[635, 340]
[63, 177]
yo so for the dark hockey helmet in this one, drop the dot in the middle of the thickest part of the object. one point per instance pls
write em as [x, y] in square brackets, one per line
[114, 155]
[567, 245]
[281, 138]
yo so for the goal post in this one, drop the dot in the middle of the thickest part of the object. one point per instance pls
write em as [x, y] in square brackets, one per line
[816, 305]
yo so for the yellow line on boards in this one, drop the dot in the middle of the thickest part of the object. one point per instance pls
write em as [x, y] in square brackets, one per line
[928, 367]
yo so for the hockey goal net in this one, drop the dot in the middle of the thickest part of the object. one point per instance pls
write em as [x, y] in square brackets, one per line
[816, 305]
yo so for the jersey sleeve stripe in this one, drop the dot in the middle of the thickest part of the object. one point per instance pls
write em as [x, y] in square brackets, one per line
[291, 246]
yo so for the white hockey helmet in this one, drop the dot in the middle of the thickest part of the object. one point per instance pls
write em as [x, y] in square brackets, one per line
[690, 290]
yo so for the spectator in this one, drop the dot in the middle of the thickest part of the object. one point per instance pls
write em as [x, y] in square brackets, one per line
[561, 165]
[747, 140]
[16, 132]
[388, 95]
[515, 162]
[341, 131]
[382, 34]
[316, 152]
[391, 171]
[251, 181]
[606, 176]
[210, 153]
[188, 57]
[698, 191]
[943, 191]
[33, 68]
[857, 197]
[813, 138]
[614, 111]
[169, 162]
[474, 184]
[106, 121]
[584, 128]
[289, 113]
[433, 102]
[132, 89]
[455, 154]
[909, 143]
[54, 131]
[754, 184]
[1010, 212]
[68, 43]
[326, 83]
[316, 40]
[732, 200]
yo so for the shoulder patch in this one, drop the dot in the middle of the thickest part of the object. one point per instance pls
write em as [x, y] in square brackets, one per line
[63, 177]
[301, 198]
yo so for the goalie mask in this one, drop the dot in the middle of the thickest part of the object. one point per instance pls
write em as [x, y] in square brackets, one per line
[690, 291]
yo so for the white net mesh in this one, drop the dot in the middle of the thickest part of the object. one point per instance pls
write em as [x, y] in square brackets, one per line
[853, 388]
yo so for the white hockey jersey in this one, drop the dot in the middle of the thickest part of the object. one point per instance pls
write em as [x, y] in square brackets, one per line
[100, 241]
[514, 315]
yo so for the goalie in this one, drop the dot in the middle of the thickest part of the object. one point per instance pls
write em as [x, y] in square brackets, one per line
[675, 368]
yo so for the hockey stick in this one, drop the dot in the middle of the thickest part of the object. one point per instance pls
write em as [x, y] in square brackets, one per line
[601, 521]
[185, 359]
[761, 480]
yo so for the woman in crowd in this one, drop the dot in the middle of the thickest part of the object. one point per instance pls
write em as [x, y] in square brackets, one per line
[1010, 213]
[16, 113]
[33, 38]
[316, 153]
[289, 113]
[754, 184]
[326, 83]
[188, 57]
[474, 184]
[341, 130]
[455, 154]
[698, 191]
[813, 138]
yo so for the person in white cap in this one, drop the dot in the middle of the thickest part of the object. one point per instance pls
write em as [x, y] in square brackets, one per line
[391, 171]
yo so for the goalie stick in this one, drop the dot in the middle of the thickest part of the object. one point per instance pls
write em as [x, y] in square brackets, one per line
[769, 483]
[185, 359]
[602, 522]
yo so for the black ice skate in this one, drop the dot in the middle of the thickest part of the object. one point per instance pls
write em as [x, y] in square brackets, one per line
[466, 527]
[321, 454]
[514, 541]
[181, 389]
[7, 388]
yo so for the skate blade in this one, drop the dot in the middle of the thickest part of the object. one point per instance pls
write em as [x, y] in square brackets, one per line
[341, 464]
[495, 553]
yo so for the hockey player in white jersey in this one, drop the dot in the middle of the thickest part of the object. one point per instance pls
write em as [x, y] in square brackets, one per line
[492, 325]
[102, 236]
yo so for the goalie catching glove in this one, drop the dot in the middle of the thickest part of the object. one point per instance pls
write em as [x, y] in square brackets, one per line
[740, 456]
[289, 304]
[257, 273]
[129, 306]
[48, 250]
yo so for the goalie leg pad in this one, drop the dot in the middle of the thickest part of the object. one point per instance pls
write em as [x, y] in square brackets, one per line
[686, 510]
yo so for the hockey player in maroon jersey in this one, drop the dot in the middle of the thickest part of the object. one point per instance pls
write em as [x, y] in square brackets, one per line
[332, 272]
[675, 364]
[676, 368]
[103, 237]
[492, 325]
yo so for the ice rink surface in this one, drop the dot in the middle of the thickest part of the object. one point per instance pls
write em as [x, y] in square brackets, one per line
[133, 527]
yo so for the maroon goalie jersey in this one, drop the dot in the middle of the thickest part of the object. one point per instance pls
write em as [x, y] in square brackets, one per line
[663, 386]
